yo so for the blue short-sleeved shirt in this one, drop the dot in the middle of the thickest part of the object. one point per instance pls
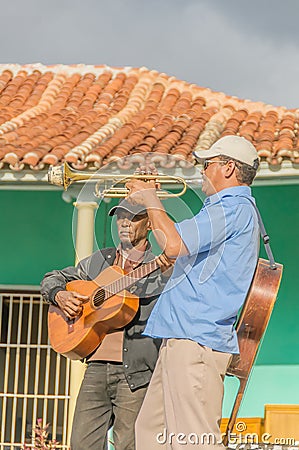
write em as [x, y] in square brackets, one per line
[202, 298]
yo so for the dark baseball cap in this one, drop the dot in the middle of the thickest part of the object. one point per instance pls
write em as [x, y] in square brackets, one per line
[135, 210]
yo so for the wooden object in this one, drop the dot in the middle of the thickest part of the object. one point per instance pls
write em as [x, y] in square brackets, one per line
[245, 427]
[251, 326]
[282, 422]
[110, 306]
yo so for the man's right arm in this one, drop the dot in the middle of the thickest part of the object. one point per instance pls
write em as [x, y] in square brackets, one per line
[56, 281]
[53, 288]
[163, 227]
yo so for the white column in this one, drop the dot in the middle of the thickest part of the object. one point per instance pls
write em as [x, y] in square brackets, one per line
[84, 247]
[85, 229]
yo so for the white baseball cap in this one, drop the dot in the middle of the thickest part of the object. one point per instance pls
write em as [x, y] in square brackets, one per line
[235, 147]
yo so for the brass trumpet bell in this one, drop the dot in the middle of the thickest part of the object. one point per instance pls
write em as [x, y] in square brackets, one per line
[109, 185]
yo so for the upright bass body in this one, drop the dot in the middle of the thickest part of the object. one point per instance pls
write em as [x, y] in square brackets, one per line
[101, 314]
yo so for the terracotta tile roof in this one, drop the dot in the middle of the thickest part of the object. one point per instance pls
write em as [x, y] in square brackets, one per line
[93, 115]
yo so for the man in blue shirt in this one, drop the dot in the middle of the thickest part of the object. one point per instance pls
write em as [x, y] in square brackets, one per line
[216, 254]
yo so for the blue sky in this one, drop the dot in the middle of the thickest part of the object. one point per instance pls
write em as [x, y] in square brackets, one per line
[247, 49]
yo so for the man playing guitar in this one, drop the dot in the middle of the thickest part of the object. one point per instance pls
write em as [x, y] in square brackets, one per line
[119, 370]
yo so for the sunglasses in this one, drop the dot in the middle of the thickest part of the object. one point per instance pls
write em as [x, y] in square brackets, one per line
[207, 162]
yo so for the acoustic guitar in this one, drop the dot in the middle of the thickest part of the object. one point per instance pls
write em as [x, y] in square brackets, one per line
[109, 307]
[251, 327]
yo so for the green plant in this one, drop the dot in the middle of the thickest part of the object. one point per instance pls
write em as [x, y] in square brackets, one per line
[40, 438]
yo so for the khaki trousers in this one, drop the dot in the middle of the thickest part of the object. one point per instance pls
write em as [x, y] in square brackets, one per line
[183, 404]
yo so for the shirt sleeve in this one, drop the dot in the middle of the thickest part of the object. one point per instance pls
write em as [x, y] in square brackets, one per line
[87, 269]
[56, 280]
[213, 225]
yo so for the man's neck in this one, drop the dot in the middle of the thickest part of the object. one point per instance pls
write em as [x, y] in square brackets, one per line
[140, 245]
[227, 186]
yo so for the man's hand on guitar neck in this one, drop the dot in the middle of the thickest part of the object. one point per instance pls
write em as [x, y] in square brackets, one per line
[70, 303]
[166, 264]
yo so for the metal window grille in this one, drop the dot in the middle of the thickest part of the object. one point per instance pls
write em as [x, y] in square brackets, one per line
[34, 380]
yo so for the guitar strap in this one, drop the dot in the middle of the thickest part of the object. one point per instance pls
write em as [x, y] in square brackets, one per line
[265, 237]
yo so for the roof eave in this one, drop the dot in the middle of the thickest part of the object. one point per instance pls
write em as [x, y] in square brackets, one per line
[286, 173]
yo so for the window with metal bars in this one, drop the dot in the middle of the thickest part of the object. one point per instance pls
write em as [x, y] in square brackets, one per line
[34, 380]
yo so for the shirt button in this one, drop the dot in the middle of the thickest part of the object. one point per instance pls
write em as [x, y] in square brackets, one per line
[132, 385]
[129, 377]
[126, 366]
[125, 349]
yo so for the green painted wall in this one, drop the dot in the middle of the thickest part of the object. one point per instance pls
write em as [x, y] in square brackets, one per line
[272, 384]
[36, 236]
[279, 206]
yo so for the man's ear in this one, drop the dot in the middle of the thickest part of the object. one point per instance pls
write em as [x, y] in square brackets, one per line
[229, 169]
[149, 225]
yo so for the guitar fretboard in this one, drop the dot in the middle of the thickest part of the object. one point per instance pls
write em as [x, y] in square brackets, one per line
[130, 278]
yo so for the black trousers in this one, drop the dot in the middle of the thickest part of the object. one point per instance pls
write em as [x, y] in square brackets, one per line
[105, 399]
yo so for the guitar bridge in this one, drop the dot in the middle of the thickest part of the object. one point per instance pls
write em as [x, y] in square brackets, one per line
[70, 325]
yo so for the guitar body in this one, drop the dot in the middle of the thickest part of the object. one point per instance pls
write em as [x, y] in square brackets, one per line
[250, 328]
[255, 316]
[79, 337]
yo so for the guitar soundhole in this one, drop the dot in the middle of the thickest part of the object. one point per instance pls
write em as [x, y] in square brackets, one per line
[98, 298]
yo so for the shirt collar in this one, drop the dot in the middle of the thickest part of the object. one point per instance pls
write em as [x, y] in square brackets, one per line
[233, 191]
[133, 254]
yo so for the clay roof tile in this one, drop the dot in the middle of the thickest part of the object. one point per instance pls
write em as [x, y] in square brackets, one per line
[92, 115]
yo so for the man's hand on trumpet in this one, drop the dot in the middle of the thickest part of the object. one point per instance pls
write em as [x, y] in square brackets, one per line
[144, 193]
[141, 191]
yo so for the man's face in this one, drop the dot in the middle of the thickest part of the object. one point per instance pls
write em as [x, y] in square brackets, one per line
[212, 175]
[132, 229]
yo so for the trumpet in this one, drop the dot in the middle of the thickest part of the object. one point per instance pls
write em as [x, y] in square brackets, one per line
[109, 185]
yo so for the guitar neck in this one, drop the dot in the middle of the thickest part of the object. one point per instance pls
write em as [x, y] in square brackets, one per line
[130, 278]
